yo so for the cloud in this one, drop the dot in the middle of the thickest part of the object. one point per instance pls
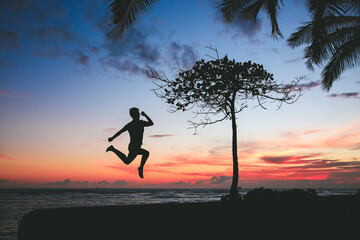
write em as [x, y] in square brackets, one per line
[286, 159]
[67, 182]
[294, 60]
[2, 156]
[311, 131]
[132, 52]
[309, 86]
[327, 164]
[120, 183]
[137, 48]
[6, 93]
[190, 159]
[81, 58]
[2, 181]
[275, 50]
[180, 183]
[121, 65]
[345, 176]
[52, 34]
[111, 130]
[9, 40]
[48, 29]
[182, 55]
[103, 182]
[346, 95]
[240, 27]
[356, 147]
[51, 51]
[86, 183]
[161, 135]
[220, 180]
[35, 11]
[2, 63]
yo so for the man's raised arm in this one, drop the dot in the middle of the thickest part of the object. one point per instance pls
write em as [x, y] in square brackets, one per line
[150, 122]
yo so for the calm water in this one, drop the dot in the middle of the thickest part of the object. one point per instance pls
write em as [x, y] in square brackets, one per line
[15, 203]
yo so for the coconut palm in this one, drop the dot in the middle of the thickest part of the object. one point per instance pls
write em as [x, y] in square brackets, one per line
[332, 35]
[333, 38]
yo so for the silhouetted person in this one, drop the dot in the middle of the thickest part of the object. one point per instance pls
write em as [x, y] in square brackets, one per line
[136, 132]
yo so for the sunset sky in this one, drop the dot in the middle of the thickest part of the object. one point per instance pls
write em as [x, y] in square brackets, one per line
[64, 89]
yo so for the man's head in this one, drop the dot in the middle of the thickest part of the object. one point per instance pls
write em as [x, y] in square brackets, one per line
[134, 113]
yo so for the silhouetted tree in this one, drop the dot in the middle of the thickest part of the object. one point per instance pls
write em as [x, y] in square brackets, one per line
[222, 87]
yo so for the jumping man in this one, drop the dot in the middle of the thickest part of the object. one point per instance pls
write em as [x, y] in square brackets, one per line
[136, 132]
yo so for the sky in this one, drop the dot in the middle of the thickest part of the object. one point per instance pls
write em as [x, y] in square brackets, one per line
[64, 89]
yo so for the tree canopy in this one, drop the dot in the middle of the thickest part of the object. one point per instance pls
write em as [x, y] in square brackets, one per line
[213, 87]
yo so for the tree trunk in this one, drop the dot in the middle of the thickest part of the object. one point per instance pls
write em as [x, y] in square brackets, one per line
[234, 185]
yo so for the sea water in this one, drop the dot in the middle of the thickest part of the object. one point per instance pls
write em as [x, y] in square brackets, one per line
[15, 203]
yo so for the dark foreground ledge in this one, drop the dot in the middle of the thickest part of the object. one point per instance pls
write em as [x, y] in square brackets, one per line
[322, 216]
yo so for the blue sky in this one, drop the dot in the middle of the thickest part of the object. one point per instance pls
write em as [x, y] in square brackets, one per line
[64, 89]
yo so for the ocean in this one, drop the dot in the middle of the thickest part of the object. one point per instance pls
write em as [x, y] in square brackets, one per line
[15, 203]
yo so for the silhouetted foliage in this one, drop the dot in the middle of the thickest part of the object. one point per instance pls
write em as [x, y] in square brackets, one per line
[358, 193]
[121, 15]
[222, 87]
[297, 194]
[332, 35]
[269, 194]
[261, 194]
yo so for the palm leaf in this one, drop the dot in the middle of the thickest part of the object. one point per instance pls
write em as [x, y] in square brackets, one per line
[301, 36]
[353, 7]
[271, 8]
[320, 9]
[121, 15]
[230, 8]
[346, 56]
[337, 30]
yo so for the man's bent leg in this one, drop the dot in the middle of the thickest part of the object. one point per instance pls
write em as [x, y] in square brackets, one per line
[131, 156]
[145, 156]
[118, 153]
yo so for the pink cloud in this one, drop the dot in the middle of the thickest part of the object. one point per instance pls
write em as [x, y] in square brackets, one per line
[286, 159]
[2, 156]
[161, 135]
[311, 131]
[8, 94]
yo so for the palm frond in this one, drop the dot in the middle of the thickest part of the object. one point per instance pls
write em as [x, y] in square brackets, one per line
[337, 31]
[251, 11]
[319, 9]
[346, 56]
[335, 23]
[353, 7]
[121, 14]
[271, 8]
[301, 36]
[230, 8]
